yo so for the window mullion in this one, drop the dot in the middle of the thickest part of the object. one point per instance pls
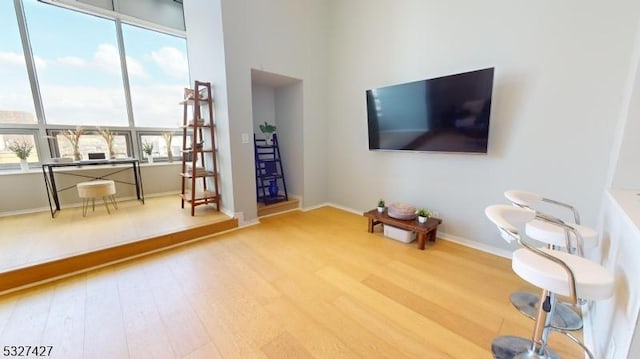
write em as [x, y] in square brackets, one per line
[127, 88]
[125, 72]
[33, 82]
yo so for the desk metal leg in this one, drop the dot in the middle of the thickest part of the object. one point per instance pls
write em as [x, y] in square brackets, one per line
[137, 174]
[54, 189]
[48, 187]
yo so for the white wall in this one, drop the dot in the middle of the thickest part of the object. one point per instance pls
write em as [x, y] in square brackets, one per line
[286, 37]
[627, 169]
[290, 111]
[263, 104]
[617, 319]
[612, 322]
[207, 62]
[561, 68]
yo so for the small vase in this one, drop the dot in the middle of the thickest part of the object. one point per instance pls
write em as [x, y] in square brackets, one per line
[380, 209]
[273, 188]
[150, 159]
[77, 155]
[268, 138]
[24, 165]
[422, 219]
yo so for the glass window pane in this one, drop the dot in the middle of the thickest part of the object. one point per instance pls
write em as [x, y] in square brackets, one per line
[158, 73]
[92, 143]
[78, 66]
[16, 102]
[160, 145]
[14, 144]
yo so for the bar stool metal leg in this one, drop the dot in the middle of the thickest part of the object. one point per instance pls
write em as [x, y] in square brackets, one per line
[565, 318]
[512, 347]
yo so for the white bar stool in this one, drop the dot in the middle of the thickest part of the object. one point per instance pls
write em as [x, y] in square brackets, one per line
[555, 272]
[94, 189]
[574, 238]
[555, 233]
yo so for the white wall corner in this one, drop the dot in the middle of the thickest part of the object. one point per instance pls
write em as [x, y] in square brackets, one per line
[237, 215]
[347, 209]
[249, 223]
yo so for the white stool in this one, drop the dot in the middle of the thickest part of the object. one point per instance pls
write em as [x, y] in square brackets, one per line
[555, 234]
[530, 199]
[94, 189]
[555, 272]
[572, 236]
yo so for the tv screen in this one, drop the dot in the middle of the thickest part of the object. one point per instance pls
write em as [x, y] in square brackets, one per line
[449, 114]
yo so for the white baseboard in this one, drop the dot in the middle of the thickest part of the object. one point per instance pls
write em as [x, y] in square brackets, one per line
[24, 211]
[476, 245]
[325, 204]
[250, 223]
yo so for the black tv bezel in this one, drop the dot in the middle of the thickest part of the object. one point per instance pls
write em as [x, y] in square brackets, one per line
[465, 151]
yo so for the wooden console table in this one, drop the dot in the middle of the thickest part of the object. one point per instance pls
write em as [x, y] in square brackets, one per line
[424, 230]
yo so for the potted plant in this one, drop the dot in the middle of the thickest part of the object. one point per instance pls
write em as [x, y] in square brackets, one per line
[22, 149]
[268, 130]
[73, 136]
[380, 205]
[147, 148]
[108, 137]
[168, 136]
[423, 214]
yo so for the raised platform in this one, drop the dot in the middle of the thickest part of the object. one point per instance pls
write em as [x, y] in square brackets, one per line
[278, 207]
[38, 247]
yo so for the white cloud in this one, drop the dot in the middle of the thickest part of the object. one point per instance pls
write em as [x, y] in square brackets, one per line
[11, 58]
[135, 67]
[84, 105]
[107, 59]
[41, 63]
[171, 61]
[157, 105]
[154, 106]
[16, 96]
[72, 61]
[8, 58]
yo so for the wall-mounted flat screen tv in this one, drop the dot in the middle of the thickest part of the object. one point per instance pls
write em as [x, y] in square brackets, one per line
[448, 114]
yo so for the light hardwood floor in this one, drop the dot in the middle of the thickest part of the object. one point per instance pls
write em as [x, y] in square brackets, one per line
[34, 238]
[298, 285]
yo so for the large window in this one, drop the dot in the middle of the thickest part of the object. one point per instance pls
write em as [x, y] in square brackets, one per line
[62, 69]
[158, 74]
[16, 103]
[79, 70]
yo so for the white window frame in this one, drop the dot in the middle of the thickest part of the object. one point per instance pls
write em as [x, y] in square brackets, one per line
[41, 129]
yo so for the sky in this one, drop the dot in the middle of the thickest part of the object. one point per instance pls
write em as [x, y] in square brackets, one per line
[78, 68]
